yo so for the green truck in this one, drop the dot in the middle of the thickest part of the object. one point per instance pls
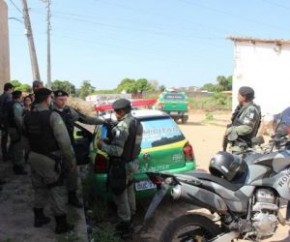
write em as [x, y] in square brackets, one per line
[174, 103]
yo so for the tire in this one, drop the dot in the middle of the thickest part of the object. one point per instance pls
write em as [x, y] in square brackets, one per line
[205, 229]
[184, 120]
[167, 212]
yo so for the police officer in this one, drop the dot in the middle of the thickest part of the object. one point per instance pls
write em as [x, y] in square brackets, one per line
[70, 116]
[50, 148]
[4, 99]
[123, 151]
[245, 121]
[15, 124]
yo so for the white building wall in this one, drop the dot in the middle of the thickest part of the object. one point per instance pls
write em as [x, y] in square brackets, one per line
[266, 68]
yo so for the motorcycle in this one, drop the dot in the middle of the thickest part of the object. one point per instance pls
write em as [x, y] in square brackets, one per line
[246, 204]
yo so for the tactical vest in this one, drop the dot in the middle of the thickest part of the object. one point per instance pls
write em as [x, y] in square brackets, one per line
[10, 114]
[248, 138]
[39, 132]
[4, 100]
[66, 116]
[132, 146]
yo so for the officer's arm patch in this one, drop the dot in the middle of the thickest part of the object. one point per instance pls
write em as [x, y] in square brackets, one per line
[118, 133]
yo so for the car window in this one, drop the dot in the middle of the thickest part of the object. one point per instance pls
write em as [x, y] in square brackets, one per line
[174, 97]
[157, 132]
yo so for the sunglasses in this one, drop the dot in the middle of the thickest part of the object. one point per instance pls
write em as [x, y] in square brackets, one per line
[118, 111]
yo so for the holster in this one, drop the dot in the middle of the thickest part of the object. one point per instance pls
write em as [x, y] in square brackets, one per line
[59, 168]
[117, 178]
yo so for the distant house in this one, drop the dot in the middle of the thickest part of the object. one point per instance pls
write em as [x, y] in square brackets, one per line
[263, 64]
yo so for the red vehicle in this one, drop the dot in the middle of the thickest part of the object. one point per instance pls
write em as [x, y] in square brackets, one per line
[144, 103]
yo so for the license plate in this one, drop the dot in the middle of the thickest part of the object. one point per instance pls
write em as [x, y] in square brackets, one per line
[174, 113]
[144, 185]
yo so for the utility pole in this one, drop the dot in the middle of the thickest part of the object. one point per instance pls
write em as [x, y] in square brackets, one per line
[32, 52]
[48, 16]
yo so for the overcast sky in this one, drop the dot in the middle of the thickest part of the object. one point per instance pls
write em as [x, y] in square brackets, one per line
[175, 42]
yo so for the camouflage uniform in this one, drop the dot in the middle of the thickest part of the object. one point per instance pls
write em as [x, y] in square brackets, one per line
[126, 201]
[15, 113]
[245, 126]
[45, 177]
[70, 116]
[4, 99]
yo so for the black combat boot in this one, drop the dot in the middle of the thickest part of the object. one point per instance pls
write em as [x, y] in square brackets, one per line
[39, 217]
[124, 229]
[19, 170]
[73, 199]
[62, 226]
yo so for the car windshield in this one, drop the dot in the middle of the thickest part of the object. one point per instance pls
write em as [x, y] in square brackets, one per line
[157, 132]
[174, 96]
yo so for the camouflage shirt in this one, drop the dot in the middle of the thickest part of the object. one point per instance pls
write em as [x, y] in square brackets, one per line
[18, 115]
[120, 135]
[78, 116]
[246, 122]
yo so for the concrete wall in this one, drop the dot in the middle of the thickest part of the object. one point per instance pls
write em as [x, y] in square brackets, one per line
[266, 68]
[4, 45]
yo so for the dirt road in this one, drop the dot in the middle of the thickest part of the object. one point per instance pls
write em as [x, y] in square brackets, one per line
[16, 216]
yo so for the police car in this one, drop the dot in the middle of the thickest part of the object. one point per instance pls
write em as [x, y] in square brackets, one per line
[174, 103]
[163, 148]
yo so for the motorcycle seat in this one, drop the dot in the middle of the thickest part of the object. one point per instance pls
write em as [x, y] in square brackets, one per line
[233, 186]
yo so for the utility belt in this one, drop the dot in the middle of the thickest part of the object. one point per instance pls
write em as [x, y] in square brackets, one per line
[52, 155]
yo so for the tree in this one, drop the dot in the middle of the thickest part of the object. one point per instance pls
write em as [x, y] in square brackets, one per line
[224, 83]
[128, 85]
[143, 85]
[162, 88]
[209, 87]
[86, 89]
[21, 87]
[16, 84]
[63, 85]
[155, 85]
[25, 88]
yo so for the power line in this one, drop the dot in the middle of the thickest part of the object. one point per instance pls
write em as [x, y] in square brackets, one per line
[277, 4]
[17, 8]
[227, 13]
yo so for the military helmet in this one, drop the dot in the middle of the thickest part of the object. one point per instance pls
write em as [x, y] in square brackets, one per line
[227, 165]
[122, 103]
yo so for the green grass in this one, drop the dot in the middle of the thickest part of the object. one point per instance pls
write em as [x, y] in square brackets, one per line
[217, 102]
[98, 213]
[209, 116]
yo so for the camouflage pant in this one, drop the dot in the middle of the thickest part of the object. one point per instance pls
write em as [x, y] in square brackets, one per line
[16, 149]
[72, 180]
[43, 173]
[126, 202]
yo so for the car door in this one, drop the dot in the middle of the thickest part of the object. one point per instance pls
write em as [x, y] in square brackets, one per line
[82, 141]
